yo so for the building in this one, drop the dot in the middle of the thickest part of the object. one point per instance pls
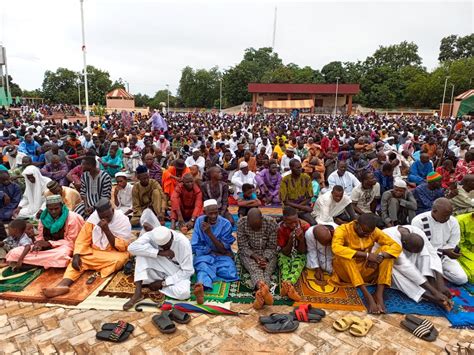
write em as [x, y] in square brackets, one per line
[463, 104]
[119, 99]
[315, 98]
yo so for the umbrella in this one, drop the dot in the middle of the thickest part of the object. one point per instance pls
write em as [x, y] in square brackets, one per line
[190, 308]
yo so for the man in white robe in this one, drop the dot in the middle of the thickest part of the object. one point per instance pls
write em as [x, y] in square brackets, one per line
[241, 177]
[418, 271]
[164, 262]
[333, 207]
[318, 250]
[33, 200]
[442, 231]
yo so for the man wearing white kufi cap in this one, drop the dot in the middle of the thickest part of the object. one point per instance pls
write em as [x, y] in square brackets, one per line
[164, 262]
[398, 205]
[243, 176]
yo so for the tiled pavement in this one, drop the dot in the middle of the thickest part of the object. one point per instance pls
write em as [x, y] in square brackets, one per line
[32, 328]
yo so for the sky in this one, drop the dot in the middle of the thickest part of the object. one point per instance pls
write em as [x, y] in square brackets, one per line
[149, 42]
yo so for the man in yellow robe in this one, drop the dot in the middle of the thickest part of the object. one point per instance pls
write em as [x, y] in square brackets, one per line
[101, 246]
[356, 265]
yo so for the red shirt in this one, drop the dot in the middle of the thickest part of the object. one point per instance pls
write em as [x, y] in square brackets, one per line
[284, 232]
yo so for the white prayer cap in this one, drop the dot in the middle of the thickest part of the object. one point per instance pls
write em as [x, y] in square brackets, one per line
[162, 136]
[196, 150]
[400, 183]
[161, 235]
[127, 150]
[210, 202]
[120, 174]
[243, 165]
[290, 149]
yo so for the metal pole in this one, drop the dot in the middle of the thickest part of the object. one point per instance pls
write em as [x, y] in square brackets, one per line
[220, 95]
[168, 102]
[444, 94]
[128, 87]
[335, 101]
[79, 93]
[6, 72]
[452, 98]
[274, 28]
[85, 67]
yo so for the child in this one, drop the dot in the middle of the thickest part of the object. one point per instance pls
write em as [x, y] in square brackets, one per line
[3, 253]
[316, 188]
[17, 238]
[30, 231]
[247, 199]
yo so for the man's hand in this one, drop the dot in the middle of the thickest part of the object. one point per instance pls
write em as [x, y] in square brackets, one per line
[390, 224]
[299, 234]
[450, 253]
[206, 227]
[16, 212]
[41, 245]
[89, 210]
[6, 199]
[18, 265]
[76, 262]
[319, 275]
[261, 262]
[166, 253]
[104, 225]
[374, 258]
[38, 214]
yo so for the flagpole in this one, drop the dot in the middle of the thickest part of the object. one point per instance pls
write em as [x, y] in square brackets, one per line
[85, 68]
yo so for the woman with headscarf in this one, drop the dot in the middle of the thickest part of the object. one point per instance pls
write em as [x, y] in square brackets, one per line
[57, 230]
[33, 198]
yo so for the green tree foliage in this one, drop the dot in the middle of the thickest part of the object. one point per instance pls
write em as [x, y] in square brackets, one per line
[118, 84]
[15, 89]
[99, 84]
[162, 96]
[142, 100]
[395, 56]
[198, 88]
[454, 47]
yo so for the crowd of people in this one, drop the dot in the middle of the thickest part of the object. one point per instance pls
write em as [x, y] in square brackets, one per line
[365, 200]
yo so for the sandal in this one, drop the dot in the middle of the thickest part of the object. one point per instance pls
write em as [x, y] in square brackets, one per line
[344, 323]
[179, 316]
[469, 346]
[164, 323]
[92, 278]
[117, 335]
[360, 329]
[421, 328]
[456, 350]
[300, 315]
[311, 310]
[111, 326]
[284, 325]
[272, 318]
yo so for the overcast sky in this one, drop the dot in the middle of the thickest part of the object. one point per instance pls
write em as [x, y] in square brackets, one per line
[148, 42]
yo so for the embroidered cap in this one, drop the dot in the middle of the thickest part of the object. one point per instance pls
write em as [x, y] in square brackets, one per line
[50, 200]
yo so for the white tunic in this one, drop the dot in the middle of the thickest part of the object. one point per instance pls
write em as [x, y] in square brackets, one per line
[325, 208]
[176, 273]
[318, 256]
[124, 197]
[239, 179]
[348, 181]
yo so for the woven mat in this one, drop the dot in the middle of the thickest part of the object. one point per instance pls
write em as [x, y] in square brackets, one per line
[16, 282]
[329, 297]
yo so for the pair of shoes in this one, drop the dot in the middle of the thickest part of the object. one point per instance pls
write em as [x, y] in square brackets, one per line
[358, 327]
[279, 323]
[421, 328]
[165, 321]
[462, 348]
[115, 332]
[306, 313]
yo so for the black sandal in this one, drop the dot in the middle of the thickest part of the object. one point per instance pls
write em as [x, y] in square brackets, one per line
[179, 316]
[284, 325]
[421, 328]
[164, 323]
[111, 326]
[117, 335]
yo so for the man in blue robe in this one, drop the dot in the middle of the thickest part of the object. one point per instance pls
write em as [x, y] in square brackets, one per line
[29, 145]
[420, 169]
[426, 194]
[213, 256]
[10, 196]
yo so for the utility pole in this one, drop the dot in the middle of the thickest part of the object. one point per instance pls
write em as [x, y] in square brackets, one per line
[452, 99]
[220, 95]
[274, 29]
[168, 102]
[335, 101]
[444, 94]
[85, 68]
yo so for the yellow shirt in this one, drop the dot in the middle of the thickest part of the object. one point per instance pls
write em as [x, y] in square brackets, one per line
[346, 242]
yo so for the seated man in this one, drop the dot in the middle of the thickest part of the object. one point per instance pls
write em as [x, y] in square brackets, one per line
[417, 272]
[442, 230]
[147, 193]
[420, 169]
[292, 251]
[385, 177]
[164, 263]
[33, 198]
[186, 204]
[257, 242]
[462, 198]
[466, 226]
[398, 206]
[296, 191]
[319, 253]
[287, 157]
[154, 169]
[247, 199]
[101, 246]
[70, 197]
[333, 207]
[425, 194]
[56, 171]
[366, 195]
[217, 190]
[268, 183]
[355, 264]
[343, 178]
[123, 193]
[213, 257]
[57, 231]
[357, 165]
[10, 196]
[241, 177]
[95, 185]
[173, 176]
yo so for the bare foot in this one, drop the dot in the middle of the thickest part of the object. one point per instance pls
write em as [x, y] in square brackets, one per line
[284, 289]
[372, 307]
[132, 302]
[259, 301]
[380, 303]
[199, 293]
[267, 296]
[292, 294]
[55, 291]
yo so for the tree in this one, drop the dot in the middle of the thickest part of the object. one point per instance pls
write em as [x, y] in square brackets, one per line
[162, 96]
[15, 89]
[453, 47]
[60, 86]
[199, 88]
[142, 100]
[396, 56]
[118, 84]
[334, 70]
[99, 84]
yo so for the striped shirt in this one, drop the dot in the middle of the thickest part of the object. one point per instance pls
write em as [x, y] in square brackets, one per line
[95, 189]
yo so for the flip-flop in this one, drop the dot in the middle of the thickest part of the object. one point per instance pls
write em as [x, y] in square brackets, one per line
[179, 317]
[164, 323]
[422, 331]
[312, 310]
[360, 329]
[420, 321]
[92, 278]
[111, 326]
[284, 325]
[344, 323]
[117, 335]
[272, 318]
[302, 316]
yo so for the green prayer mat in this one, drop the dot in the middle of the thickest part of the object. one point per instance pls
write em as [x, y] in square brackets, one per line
[219, 292]
[242, 291]
[18, 283]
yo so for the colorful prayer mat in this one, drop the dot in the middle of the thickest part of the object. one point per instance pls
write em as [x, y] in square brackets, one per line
[219, 292]
[462, 315]
[79, 291]
[242, 292]
[329, 297]
[11, 281]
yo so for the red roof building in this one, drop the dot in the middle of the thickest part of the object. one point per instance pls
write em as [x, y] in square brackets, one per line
[119, 99]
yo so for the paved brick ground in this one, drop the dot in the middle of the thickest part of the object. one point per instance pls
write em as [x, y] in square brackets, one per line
[32, 328]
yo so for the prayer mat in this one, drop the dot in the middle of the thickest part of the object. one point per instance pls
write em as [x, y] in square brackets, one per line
[11, 281]
[329, 297]
[219, 292]
[79, 291]
[242, 291]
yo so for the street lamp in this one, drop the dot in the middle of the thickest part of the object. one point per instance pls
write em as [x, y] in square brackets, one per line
[444, 94]
[78, 82]
[86, 91]
[168, 103]
[335, 101]
[452, 98]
